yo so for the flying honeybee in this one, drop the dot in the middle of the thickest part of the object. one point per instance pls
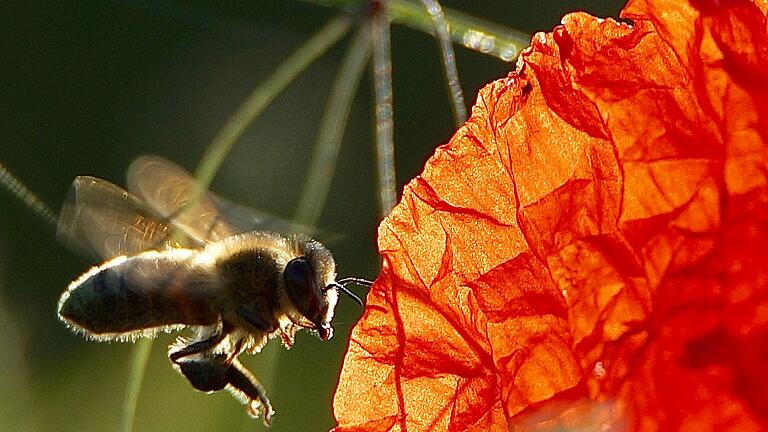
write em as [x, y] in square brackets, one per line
[180, 258]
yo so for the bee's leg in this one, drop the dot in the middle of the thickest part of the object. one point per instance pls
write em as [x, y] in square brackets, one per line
[236, 350]
[200, 346]
[207, 374]
[244, 383]
[216, 371]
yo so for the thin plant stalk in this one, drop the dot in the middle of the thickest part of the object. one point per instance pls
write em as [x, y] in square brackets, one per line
[26, 196]
[449, 60]
[329, 138]
[265, 93]
[139, 360]
[382, 77]
[473, 33]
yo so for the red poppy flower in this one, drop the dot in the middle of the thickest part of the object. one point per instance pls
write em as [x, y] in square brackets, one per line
[590, 250]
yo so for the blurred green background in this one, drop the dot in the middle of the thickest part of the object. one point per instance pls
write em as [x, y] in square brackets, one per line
[89, 85]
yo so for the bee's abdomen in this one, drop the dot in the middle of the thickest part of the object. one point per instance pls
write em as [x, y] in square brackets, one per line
[146, 291]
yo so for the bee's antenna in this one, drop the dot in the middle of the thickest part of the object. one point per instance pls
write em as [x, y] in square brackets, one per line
[354, 280]
[341, 286]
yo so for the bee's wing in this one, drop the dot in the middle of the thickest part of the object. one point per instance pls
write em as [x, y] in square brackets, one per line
[100, 217]
[241, 219]
[169, 190]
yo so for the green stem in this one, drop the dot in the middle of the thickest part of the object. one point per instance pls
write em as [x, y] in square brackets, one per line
[15, 186]
[442, 32]
[472, 32]
[332, 126]
[139, 361]
[263, 95]
[385, 142]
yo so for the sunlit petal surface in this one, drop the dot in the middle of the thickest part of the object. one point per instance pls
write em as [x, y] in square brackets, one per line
[588, 252]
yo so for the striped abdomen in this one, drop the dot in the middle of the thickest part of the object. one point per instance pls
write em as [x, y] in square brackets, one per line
[125, 297]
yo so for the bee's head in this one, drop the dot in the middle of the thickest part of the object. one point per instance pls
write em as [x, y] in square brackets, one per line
[311, 286]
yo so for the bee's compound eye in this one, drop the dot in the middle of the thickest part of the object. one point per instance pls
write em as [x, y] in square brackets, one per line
[297, 273]
[301, 290]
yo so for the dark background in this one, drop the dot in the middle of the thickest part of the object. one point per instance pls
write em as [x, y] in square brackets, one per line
[89, 85]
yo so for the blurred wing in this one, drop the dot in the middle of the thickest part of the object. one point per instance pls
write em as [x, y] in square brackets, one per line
[101, 217]
[170, 191]
[242, 219]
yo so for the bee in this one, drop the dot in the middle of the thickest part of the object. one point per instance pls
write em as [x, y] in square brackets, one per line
[182, 258]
